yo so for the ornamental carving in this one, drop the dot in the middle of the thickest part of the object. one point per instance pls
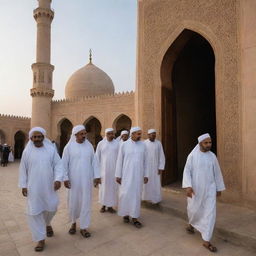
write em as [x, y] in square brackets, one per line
[41, 92]
[42, 12]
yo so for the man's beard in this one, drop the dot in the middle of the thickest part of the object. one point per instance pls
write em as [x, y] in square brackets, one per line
[38, 143]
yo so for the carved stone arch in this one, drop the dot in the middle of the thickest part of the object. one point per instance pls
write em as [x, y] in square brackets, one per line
[93, 128]
[213, 40]
[186, 81]
[2, 137]
[122, 122]
[64, 127]
[19, 143]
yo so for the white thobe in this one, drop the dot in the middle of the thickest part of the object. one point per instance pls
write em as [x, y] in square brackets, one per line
[131, 167]
[202, 173]
[156, 161]
[106, 154]
[80, 169]
[39, 169]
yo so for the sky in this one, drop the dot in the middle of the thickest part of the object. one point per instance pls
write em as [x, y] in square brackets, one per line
[108, 27]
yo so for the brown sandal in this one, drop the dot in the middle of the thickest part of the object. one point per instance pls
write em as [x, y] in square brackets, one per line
[210, 247]
[103, 209]
[190, 230]
[111, 210]
[137, 224]
[85, 233]
[49, 231]
[40, 246]
[72, 230]
[126, 219]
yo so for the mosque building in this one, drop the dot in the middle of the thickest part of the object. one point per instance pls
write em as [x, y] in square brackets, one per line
[196, 66]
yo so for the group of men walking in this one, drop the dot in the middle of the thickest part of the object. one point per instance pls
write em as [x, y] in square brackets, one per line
[126, 170]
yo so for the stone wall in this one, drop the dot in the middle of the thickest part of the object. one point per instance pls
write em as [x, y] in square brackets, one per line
[248, 89]
[160, 22]
[106, 108]
[10, 125]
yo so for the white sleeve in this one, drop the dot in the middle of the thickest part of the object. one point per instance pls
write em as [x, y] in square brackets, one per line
[95, 164]
[119, 162]
[187, 174]
[97, 155]
[23, 171]
[218, 176]
[96, 167]
[161, 157]
[57, 167]
[146, 162]
[65, 163]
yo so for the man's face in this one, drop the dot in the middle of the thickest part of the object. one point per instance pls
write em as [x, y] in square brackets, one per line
[37, 138]
[81, 136]
[152, 136]
[110, 136]
[124, 137]
[136, 136]
[206, 145]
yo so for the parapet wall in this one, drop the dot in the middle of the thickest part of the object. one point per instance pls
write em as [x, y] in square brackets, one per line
[10, 125]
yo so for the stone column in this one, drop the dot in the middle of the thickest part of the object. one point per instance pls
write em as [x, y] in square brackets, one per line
[42, 91]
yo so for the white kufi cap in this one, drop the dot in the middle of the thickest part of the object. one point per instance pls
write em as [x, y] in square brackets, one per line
[151, 131]
[124, 132]
[203, 137]
[135, 129]
[37, 129]
[77, 129]
[109, 130]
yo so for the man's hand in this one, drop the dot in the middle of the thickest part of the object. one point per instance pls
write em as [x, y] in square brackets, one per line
[67, 184]
[159, 172]
[218, 193]
[24, 192]
[119, 180]
[97, 182]
[57, 185]
[145, 180]
[190, 192]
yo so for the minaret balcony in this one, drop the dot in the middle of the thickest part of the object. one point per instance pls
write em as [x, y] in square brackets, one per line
[34, 92]
[43, 12]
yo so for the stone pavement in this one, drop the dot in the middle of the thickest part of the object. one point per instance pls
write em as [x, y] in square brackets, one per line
[162, 234]
[234, 224]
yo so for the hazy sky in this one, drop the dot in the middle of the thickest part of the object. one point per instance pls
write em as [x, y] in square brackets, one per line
[106, 26]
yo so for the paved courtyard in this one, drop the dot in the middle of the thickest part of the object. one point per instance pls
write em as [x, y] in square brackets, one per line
[162, 234]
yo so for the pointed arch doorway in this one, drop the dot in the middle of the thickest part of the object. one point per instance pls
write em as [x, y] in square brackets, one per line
[65, 128]
[93, 129]
[188, 99]
[19, 144]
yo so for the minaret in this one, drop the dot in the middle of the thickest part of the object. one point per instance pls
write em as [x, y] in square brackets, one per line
[42, 91]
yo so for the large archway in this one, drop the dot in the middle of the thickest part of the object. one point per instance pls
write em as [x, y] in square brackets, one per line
[19, 144]
[93, 129]
[121, 123]
[2, 137]
[188, 99]
[65, 133]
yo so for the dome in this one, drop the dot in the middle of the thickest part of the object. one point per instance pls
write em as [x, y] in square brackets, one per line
[89, 81]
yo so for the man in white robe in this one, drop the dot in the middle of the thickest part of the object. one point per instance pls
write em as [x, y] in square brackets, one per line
[124, 136]
[203, 181]
[80, 171]
[40, 176]
[131, 173]
[152, 190]
[106, 153]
